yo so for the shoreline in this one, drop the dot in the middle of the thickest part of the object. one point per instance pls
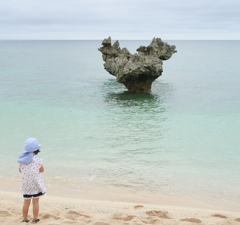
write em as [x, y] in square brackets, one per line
[117, 196]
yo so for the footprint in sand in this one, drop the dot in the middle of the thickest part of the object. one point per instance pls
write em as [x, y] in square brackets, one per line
[121, 216]
[101, 223]
[152, 221]
[192, 220]
[158, 214]
[4, 213]
[73, 215]
[48, 216]
[136, 207]
[219, 215]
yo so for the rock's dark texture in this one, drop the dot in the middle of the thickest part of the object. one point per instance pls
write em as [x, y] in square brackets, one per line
[138, 71]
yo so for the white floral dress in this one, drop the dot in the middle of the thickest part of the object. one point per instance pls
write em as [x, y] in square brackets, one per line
[32, 181]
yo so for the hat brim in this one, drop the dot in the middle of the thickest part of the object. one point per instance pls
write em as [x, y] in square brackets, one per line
[33, 149]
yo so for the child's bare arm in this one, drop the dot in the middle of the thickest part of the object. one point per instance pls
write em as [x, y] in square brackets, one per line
[19, 170]
[41, 169]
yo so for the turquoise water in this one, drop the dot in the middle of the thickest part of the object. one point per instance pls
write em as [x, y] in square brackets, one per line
[182, 139]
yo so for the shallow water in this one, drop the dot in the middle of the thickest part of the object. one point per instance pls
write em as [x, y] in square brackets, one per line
[179, 140]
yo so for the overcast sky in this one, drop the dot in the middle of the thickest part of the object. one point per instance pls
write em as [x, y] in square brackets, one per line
[125, 19]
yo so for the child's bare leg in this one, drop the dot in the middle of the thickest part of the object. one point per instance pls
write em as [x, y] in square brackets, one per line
[35, 202]
[25, 208]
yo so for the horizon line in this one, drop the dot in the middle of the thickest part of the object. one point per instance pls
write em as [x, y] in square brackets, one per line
[117, 39]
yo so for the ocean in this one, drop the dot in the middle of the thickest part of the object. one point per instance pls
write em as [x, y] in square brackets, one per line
[181, 140]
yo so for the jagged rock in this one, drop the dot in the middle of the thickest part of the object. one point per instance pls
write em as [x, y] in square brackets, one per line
[138, 71]
[106, 42]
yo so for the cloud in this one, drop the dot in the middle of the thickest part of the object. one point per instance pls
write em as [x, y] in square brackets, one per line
[132, 19]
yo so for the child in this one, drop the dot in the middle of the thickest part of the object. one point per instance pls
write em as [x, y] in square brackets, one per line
[32, 182]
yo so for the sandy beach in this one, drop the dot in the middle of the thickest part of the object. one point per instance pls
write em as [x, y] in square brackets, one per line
[70, 210]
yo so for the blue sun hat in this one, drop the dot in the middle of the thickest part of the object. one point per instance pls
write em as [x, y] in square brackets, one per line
[30, 145]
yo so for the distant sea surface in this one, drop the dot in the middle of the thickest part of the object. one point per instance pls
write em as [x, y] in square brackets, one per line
[182, 139]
